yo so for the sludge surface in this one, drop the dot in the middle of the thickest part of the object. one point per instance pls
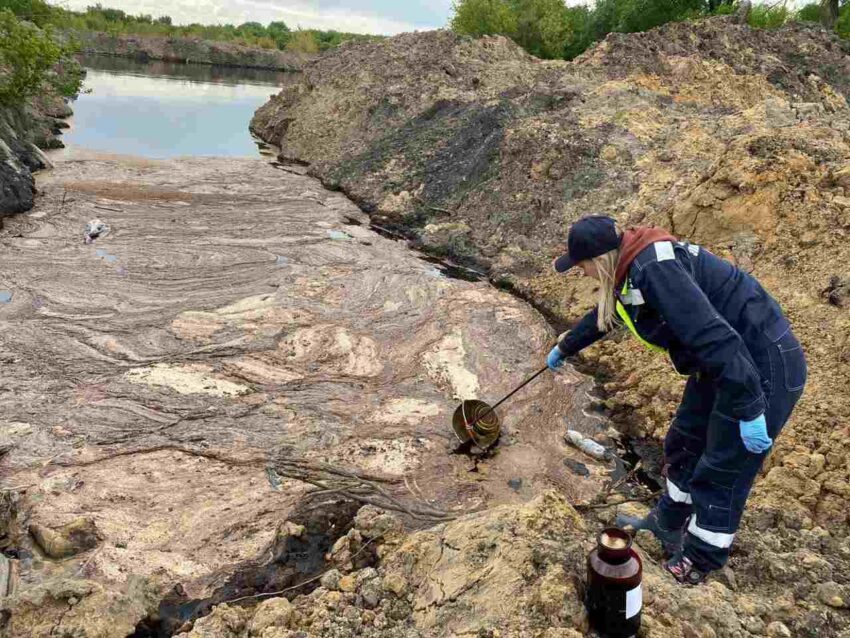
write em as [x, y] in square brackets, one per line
[244, 317]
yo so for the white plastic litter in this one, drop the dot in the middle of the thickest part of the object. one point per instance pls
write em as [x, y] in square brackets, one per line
[588, 446]
[94, 229]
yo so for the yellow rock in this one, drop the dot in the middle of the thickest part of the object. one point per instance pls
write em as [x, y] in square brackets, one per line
[275, 612]
[347, 583]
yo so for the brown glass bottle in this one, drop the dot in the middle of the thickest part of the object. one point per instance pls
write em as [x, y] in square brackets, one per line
[614, 596]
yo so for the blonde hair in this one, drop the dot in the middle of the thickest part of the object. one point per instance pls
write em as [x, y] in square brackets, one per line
[606, 267]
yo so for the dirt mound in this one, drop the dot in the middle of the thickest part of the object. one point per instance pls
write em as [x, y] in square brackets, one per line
[518, 571]
[734, 138]
[786, 57]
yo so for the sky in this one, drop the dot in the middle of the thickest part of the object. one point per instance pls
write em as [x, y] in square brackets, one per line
[386, 17]
[356, 16]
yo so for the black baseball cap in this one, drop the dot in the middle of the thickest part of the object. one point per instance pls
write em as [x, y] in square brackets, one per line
[589, 237]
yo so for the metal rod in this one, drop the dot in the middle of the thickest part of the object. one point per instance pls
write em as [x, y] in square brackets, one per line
[513, 392]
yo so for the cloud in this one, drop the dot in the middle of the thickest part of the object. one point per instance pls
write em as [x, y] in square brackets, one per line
[296, 13]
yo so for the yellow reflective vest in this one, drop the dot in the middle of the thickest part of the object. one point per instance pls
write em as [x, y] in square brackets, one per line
[624, 315]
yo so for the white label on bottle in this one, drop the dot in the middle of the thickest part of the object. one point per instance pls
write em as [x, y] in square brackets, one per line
[634, 601]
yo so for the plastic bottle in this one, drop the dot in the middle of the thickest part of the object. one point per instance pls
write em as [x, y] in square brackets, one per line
[588, 446]
[614, 596]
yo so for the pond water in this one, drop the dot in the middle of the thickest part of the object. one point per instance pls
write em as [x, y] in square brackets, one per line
[161, 110]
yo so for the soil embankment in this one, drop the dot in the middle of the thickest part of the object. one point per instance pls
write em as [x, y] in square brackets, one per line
[190, 50]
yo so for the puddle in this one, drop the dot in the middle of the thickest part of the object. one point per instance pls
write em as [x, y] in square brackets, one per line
[109, 259]
[5, 296]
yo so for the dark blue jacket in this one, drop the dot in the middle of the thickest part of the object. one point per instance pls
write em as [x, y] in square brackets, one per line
[706, 312]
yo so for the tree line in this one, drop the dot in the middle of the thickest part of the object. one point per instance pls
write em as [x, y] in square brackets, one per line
[37, 44]
[551, 29]
[275, 35]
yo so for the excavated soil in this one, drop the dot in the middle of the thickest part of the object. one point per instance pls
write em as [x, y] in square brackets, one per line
[240, 338]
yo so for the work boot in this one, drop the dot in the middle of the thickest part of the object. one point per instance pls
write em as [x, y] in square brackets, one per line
[683, 570]
[671, 539]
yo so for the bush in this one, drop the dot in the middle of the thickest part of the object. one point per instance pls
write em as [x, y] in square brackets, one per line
[280, 33]
[842, 27]
[809, 13]
[484, 17]
[629, 16]
[35, 11]
[764, 16]
[302, 42]
[26, 55]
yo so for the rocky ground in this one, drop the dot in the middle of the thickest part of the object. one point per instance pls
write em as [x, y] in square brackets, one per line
[192, 50]
[733, 138]
[172, 391]
[24, 132]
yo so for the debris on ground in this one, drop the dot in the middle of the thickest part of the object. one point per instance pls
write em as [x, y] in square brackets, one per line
[68, 540]
[586, 445]
[94, 230]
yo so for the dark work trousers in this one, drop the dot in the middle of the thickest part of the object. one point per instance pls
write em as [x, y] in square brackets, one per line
[709, 471]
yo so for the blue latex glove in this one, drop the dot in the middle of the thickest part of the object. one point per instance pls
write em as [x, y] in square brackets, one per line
[754, 435]
[555, 359]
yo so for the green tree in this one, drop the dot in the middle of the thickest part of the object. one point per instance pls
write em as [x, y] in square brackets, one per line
[280, 33]
[809, 13]
[27, 53]
[484, 17]
[36, 11]
[252, 29]
[629, 16]
[580, 37]
[110, 15]
[842, 27]
[542, 26]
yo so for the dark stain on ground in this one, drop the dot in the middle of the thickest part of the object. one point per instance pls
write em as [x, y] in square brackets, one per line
[454, 271]
[649, 453]
[450, 148]
[294, 560]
